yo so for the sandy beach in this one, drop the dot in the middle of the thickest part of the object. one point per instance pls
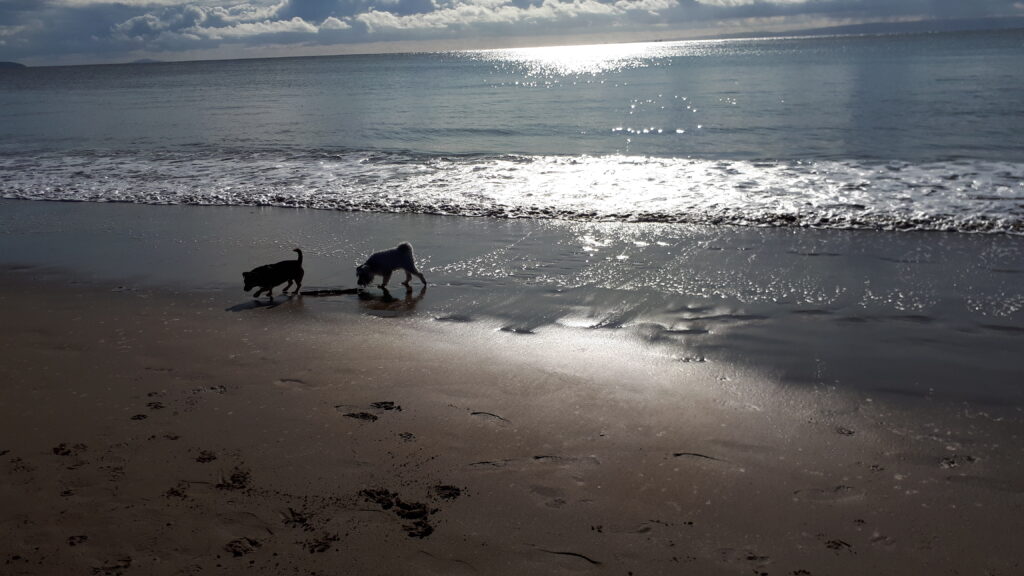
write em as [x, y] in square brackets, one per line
[539, 409]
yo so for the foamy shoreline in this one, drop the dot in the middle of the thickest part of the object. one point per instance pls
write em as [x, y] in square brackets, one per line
[964, 196]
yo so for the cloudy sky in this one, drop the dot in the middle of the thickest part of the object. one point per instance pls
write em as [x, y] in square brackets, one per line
[44, 32]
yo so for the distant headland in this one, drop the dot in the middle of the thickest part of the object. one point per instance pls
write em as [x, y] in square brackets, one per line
[9, 65]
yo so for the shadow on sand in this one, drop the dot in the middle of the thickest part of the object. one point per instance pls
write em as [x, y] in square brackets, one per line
[290, 299]
[384, 303]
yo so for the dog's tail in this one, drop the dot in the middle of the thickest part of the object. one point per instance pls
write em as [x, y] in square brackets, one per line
[405, 247]
[300, 255]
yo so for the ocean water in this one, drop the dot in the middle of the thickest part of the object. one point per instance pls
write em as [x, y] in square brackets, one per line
[896, 132]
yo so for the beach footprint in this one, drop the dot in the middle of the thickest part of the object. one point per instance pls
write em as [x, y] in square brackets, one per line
[548, 496]
[744, 556]
[489, 417]
[367, 414]
[835, 495]
[295, 384]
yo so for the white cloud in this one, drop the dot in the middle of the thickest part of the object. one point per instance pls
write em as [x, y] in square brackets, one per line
[11, 30]
[192, 22]
[464, 14]
[165, 27]
[248, 29]
[138, 3]
[154, 3]
[333, 23]
[138, 26]
[737, 3]
[646, 5]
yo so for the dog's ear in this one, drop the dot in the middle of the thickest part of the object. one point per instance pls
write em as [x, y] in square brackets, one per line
[245, 275]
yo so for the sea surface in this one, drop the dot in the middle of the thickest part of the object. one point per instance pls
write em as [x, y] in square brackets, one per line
[893, 132]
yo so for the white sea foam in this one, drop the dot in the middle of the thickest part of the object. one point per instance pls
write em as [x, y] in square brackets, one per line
[972, 196]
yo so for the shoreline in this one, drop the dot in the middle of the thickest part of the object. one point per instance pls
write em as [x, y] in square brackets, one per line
[174, 428]
[914, 315]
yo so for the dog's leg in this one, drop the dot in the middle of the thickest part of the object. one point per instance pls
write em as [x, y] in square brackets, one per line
[411, 271]
[256, 294]
[415, 271]
[286, 287]
[384, 282]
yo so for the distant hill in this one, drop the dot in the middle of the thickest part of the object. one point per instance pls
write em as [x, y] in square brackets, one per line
[146, 61]
[11, 65]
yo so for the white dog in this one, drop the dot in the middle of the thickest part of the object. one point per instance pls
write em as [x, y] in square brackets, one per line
[385, 262]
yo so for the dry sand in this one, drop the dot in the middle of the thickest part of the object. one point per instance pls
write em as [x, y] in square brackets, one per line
[152, 432]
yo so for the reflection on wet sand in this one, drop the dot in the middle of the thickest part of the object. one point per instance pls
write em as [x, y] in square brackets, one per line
[384, 304]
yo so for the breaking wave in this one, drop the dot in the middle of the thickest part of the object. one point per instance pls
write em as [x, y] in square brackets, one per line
[963, 196]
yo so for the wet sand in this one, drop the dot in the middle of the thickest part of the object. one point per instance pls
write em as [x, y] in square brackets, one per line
[159, 425]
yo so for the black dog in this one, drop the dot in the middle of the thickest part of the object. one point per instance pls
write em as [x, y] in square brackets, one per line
[268, 276]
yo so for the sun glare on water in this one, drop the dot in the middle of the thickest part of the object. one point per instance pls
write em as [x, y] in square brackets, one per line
[577, 60]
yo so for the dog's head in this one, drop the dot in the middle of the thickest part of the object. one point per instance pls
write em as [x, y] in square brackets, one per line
[250, 281]
[364, 275]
